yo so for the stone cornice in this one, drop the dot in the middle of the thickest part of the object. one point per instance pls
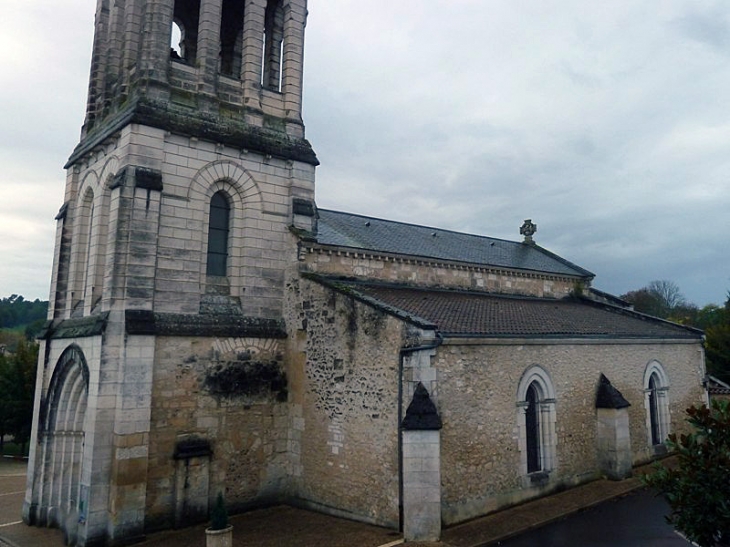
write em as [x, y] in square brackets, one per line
[193, 123]
[316, 248]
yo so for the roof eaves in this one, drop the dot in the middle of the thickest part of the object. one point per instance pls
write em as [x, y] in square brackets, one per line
[558, 336]
[633, 313]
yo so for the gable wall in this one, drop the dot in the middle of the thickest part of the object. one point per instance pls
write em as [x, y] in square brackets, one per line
[477, 400]
[345, 358]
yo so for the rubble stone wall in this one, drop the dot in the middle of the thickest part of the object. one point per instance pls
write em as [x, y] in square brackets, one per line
[345, 359]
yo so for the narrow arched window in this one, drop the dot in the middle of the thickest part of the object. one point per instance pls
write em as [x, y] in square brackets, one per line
[536, 417]
[186, 17]
[532, 429]
[220, 212]
[231, 36]
[273, 58]
[654, 411]
[656, 400]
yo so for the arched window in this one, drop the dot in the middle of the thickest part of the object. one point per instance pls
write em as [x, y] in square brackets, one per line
[231, 36]
[656, 401]
[186, 17]
[220, 212]
[532, 429]
[536, 421]
[80, 252]
[271, 74]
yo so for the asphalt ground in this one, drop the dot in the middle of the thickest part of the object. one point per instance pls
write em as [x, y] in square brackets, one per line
[284, 526]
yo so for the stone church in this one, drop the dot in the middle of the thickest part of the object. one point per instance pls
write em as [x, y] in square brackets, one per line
[212, 330]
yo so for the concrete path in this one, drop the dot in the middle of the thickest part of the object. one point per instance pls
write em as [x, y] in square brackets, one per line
[284, 526]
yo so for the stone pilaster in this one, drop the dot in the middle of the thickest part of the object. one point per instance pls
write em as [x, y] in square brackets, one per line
[613, 439]
[421, 469]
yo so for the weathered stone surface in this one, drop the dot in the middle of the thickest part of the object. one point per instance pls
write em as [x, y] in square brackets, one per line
[227, 325]
[75, 328]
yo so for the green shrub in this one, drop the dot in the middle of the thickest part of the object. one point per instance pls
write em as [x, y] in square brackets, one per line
[219, 515]
[698, 488]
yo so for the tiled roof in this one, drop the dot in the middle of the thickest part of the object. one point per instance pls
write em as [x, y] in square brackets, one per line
[717, 387]
[377, 235]
[464, 313]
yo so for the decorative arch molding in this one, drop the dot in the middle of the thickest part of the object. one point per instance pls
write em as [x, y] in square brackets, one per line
[89, 240]
[229, 176]
[655, 367]
[109, 171]
[538, 374]
[62, 440]
[243, 195]
[89, 182]
[536, 417]
[656, 403]
[71, 367]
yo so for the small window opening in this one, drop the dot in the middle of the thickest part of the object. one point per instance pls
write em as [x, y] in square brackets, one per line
[220, 212]
[273, 54]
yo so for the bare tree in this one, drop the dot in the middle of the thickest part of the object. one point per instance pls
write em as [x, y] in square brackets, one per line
[658, 298]
[668, 293]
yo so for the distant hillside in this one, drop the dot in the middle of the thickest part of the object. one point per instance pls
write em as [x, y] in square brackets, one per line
[17, 313]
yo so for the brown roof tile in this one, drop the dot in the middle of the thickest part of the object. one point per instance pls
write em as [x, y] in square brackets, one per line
[462, 313]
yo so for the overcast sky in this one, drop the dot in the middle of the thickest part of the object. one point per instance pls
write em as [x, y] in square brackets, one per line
[606, 123]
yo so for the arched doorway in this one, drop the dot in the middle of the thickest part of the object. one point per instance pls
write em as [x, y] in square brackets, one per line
[63, 415]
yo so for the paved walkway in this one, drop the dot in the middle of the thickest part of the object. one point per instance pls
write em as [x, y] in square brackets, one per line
[284, 526]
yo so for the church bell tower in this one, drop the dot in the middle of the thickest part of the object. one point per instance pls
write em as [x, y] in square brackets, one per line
[171, 251]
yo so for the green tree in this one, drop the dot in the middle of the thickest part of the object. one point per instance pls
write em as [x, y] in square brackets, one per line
[717, 351]
[698, 488]
[16, 311]
[17, 386]
[659, 298]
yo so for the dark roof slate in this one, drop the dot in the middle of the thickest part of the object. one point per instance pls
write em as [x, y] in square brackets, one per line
[373, 234]
[471, 313]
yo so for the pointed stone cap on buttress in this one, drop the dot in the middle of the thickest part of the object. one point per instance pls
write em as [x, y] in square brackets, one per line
[608, 396]
[421, 414]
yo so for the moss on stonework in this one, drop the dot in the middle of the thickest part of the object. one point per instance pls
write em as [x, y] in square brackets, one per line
[248, 377]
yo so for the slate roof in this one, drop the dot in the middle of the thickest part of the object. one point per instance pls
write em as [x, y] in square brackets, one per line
[471, 313]
[373, 234]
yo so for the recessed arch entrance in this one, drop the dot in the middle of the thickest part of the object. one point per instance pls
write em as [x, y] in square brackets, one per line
[63, 413]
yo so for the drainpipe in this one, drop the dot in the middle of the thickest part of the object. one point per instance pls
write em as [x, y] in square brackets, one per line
[404, 351]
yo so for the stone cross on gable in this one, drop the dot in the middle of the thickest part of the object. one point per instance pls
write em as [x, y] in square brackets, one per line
[528, 229]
